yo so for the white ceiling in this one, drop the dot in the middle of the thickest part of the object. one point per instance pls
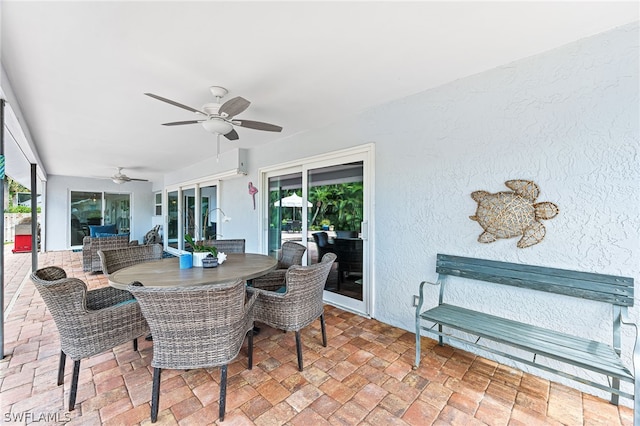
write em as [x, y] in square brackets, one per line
[79, 69]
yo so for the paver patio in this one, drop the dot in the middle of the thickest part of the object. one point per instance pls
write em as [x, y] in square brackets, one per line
[363, 377]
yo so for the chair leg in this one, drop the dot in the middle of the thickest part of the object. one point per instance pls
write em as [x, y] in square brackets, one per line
[299, 350]
[250, 360]
[324, 331]
[155, 394]
[61, 364]
[223, 391]
[74, 385]
[135, 344]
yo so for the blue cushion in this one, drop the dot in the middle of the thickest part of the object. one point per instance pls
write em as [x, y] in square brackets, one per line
[105, 234]
[107, 229]
[281, 290]
[126, 302]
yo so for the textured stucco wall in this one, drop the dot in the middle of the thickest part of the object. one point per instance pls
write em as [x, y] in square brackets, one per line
[566, 119]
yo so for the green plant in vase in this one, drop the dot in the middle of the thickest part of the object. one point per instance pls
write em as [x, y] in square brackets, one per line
[201, 248]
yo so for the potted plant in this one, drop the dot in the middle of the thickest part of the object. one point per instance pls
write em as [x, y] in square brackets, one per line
[200, 251]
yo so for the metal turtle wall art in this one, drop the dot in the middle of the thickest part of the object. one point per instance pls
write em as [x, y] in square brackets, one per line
[515, 213]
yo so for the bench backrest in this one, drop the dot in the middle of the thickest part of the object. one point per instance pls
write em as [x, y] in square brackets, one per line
[604, 288]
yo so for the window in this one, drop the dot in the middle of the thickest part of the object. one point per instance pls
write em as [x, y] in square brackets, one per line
[158, 209]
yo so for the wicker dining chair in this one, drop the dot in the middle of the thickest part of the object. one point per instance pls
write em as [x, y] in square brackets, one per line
[116, 259]
[226, 246]
[299, 303]
[89, 322]
[196, 327]
[290, 254]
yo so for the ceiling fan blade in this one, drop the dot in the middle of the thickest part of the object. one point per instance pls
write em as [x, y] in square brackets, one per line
[141, 180]
[234, 106]
[180, 123]
[232, 135]
[257, 125]
[174, 103]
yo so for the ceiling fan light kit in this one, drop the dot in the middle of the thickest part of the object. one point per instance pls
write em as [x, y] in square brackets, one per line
[216, 125]
[219, 117]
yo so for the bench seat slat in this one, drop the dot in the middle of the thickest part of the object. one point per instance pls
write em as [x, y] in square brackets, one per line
[537, 334]
[593, 355]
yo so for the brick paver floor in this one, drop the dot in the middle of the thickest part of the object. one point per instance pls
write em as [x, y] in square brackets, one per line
[363, 377]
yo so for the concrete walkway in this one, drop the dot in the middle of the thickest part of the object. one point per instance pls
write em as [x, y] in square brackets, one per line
[17, 267]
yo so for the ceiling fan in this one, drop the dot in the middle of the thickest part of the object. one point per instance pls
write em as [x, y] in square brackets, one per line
[219, 118]
[120, 177]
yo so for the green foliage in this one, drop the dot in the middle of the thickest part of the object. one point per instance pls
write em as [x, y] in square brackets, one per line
[19, 209]
[200, 248]
[15, 187]
[340, 205]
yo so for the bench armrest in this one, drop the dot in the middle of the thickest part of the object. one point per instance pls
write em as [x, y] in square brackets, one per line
[421, 296]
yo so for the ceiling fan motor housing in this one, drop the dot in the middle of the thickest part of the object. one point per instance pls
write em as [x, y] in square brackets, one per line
[211, 108]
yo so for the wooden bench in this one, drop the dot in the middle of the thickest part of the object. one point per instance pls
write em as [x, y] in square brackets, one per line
[596, 356]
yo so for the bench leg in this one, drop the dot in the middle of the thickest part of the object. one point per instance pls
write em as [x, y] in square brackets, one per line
[636, 400]
[417, 363]
[615, 383]
[441, 341]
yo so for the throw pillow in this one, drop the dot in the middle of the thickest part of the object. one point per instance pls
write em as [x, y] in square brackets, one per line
[105, 235]
[107, 229]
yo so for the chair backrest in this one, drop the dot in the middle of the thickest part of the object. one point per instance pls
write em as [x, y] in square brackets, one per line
[290, 254]
[194, 327]
[89, 322]
[116, 259]
[305, 287]
[65, 297]
[226, 246]
[321, 239]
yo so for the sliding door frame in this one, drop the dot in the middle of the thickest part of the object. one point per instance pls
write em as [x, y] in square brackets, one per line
[181, 188]
[364, 153]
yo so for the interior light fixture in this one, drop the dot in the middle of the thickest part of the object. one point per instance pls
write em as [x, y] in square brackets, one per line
[216, 125]
[118, 180]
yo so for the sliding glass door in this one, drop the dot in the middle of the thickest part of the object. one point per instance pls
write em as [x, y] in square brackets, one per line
[172, 225]
[284, 210]
[116, 211]
[336, 208]
[191, 210]
[98, 208]
[324, 205]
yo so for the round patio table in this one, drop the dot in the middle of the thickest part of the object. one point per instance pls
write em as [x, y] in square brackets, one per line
[167, 272]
